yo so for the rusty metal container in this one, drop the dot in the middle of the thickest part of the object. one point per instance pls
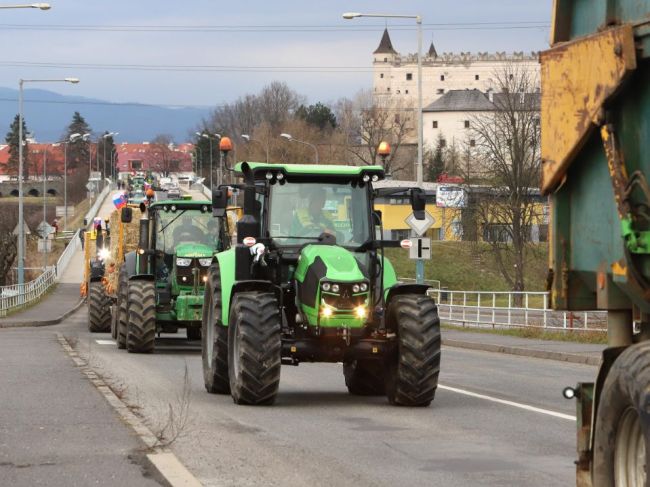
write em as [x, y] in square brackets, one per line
[596, 154]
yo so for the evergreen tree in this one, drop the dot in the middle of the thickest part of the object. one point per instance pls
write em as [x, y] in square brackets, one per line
[12, 140]
[319, 115]
[202, 148]
[79, 151]
[436, 160]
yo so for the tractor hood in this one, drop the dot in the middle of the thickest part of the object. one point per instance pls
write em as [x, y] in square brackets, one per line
[328, 262]
[194, 250]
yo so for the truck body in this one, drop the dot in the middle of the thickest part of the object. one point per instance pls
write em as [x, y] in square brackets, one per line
[596, 163]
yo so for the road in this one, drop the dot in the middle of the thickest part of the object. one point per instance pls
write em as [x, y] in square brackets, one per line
[317, 434]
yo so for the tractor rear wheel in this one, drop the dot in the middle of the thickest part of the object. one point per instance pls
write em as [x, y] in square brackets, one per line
[193, 333]
[365, 377]
[122, 308]
[141, 328]
[214, 337]
[622, 430]
[99, 309]
[254, 348]
[413, 372]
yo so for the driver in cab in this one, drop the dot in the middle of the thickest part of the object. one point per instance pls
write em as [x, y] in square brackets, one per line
[187, 231]
[313, 220]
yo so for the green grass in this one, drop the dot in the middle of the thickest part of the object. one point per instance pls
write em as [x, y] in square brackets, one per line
[593, 337]
[470, 266]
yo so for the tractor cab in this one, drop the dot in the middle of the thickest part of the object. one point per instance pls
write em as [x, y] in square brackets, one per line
[309, 243]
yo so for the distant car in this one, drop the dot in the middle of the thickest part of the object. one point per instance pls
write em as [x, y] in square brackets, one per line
[174, 193]
[136, 197]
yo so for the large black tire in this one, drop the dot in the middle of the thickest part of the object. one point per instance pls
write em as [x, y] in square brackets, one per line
[365, 377]
[622, 430]
[122, 309]
[413, 372]
[141, 329]
[114, 318]
[254, 348]
[99, 309]
[214, 337]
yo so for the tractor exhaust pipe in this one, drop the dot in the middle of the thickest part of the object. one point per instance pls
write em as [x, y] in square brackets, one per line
[143, 245]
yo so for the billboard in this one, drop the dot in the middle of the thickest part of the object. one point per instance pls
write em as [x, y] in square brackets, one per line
[451, 197]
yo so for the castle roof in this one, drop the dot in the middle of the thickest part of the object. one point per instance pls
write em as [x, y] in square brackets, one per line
[461, 101]
[432, 51]
[385, 45]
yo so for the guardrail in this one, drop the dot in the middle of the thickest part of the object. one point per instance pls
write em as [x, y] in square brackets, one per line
[20, 295]
[66, 256]
[503, 309]
[98, 202]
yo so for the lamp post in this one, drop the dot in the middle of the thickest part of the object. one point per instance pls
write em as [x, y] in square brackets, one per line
[104, 137]
[225, 146]
[40, 6]
[21, 221]
[291, 139]
[419, 263]
[209, 136]
[248, 138]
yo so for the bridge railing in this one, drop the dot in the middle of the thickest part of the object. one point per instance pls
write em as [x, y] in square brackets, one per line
[21, 295]
[66, 256]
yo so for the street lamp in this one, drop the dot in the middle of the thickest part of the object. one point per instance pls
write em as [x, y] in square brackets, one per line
[21, 220]
[419, 263]
[248, 138]
[104, 137]
[291, 139]
[209, 137]
[40, 6]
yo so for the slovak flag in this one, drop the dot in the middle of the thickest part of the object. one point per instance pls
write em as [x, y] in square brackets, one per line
[146, 186]
[119, 200]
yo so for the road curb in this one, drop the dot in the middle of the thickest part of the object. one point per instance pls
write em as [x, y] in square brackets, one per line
[54, 321]
[525, 352]
[166, 464]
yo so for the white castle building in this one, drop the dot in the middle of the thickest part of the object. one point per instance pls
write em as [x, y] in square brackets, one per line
[443, 76]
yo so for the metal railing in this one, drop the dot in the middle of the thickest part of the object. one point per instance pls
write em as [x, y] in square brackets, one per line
[503, 309]
[99, 201]
[21, 295]
[66, 256]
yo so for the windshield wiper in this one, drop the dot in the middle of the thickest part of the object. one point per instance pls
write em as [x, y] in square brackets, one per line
[172, 221]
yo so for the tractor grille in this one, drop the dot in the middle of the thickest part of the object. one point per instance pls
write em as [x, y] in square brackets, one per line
[185, 275]
[344, 299]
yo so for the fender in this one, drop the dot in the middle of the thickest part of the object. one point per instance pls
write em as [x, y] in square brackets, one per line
[400, 289]
[131, 266]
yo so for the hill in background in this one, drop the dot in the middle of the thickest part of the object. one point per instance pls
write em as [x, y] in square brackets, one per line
[48, 113]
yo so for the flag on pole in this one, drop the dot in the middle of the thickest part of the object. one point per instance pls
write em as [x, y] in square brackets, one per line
[119, 200]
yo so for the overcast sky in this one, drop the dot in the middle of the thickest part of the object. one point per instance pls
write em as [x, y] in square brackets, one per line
[267, 36]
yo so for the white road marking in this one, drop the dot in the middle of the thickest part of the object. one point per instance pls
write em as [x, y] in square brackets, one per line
[509, 403]
[105, 342]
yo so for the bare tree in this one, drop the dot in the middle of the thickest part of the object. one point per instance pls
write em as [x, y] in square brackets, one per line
[507, 149]
[164, 157]
[369, 120]
[8, 245]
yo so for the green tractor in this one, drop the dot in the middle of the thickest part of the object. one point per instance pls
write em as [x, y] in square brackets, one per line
[160, 286]
[307, 281]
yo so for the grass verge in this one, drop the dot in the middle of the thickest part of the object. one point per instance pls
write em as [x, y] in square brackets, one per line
[592, 337]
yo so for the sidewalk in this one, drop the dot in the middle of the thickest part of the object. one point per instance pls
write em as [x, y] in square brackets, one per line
[56, 429]
[65, 297]
[580, 353]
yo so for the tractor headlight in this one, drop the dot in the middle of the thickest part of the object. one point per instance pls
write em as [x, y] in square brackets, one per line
[205, 262]
[326, 286]
[363, 286]
[335, 288]
[104, 254]
[360, 311]
[183, 262]
[326, 312]
[355, 288]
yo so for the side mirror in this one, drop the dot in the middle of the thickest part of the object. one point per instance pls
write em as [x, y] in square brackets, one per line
[418, 202]
[143, 207]
[376, 217]
[219, 201]
[127, 215]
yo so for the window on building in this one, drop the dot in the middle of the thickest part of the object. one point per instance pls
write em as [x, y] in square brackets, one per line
[434, 124]
[385, 59]
[399, 234]
[442, 77]
[409, 76]
[440, 91]
[443, 143]
[476, 77]
[381, 75]
[406, 92]
[398, 92]
[466, 124]
[388, 89]
[511, 77]
[397, 115]
[472, 143]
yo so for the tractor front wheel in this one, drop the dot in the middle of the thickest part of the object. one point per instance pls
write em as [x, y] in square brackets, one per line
[365, 377]
[122, 309]
[214, 337]
[254, 348]
[622, 430]
[413, 372]
[99, 309]
[141, 328]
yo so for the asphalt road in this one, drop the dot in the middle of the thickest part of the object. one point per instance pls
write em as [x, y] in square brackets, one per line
[317, 434]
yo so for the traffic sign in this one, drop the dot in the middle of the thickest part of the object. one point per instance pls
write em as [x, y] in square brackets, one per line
[421, 248]
[90, 186]
[420, 226]
[44, 229]
[406, 243]
[44, 246]
[26, 230]
[60, 211]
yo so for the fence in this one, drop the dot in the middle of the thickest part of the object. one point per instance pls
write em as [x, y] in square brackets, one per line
[66, 256]
[20, 295]
[98, 202]
[511, 309]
